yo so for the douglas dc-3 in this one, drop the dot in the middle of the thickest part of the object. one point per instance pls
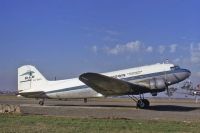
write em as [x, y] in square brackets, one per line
[133, 81]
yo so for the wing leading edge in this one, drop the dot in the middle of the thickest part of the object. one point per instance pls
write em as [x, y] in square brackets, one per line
[109, 86]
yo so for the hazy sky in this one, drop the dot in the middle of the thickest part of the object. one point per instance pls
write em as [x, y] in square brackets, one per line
[65, 38]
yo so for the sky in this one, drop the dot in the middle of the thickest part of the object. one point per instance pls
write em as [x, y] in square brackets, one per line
[65, 38]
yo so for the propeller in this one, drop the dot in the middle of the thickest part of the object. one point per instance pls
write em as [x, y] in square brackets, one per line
[168, 91]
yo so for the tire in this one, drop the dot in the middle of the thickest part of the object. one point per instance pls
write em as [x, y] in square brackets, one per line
[147, 103]
[41, 103]
[143, 103]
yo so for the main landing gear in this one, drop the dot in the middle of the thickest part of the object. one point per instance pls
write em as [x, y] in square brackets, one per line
[141, 103]
[41, 102]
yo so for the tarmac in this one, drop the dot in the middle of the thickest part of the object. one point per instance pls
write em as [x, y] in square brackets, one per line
[109, 108]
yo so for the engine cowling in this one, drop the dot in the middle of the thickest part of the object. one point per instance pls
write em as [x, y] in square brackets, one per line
[157, 83]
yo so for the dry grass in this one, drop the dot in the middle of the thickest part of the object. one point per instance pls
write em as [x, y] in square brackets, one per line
[35, 124]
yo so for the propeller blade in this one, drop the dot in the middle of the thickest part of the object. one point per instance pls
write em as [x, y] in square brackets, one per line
[168, 92]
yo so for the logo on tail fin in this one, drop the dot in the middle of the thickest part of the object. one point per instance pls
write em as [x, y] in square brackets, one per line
[28, 76]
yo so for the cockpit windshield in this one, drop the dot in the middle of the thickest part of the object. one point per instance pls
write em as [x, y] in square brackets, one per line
[174, 67]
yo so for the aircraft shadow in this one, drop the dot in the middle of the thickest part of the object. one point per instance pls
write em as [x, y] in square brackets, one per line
[172, 108]
[98, 105]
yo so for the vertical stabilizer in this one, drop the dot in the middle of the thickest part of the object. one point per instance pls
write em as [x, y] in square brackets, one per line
[30, 79]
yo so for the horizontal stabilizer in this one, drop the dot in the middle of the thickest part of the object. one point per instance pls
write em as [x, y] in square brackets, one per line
[38, 94]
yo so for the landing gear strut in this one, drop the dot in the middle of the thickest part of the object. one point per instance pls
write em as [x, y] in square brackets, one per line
[41, 102]
[85, 100]
[141, 103]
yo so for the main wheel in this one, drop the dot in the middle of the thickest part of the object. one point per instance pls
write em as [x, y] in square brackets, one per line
[143, 103]
[147, 103]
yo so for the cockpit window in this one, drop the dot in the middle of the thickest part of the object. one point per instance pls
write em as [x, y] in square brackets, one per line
[174, 67]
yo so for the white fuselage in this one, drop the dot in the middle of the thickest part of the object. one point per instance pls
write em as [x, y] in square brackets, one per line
[30, 80]
[69, 88]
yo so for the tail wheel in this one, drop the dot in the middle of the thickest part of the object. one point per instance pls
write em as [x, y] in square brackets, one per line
[41, 102]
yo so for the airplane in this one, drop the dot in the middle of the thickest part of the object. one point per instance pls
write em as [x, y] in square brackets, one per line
[133, 81]
[196, 90]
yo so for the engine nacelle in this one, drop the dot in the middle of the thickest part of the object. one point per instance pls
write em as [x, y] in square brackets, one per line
[157, 83]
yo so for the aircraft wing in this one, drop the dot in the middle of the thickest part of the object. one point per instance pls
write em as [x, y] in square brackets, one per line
[109, 86]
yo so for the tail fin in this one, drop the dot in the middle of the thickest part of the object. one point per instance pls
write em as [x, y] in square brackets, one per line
[30, 79]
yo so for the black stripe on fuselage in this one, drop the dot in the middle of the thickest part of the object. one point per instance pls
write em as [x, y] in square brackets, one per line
[68, 89]
[125, 79]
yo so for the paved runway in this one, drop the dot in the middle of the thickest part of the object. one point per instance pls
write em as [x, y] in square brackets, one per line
[122, 108]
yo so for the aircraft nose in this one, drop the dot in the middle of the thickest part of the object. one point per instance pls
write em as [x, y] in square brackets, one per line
[187, 73]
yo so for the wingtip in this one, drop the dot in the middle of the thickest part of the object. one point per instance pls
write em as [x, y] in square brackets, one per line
[82, 77]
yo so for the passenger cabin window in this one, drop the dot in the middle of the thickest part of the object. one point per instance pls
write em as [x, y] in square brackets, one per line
[175, 68]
